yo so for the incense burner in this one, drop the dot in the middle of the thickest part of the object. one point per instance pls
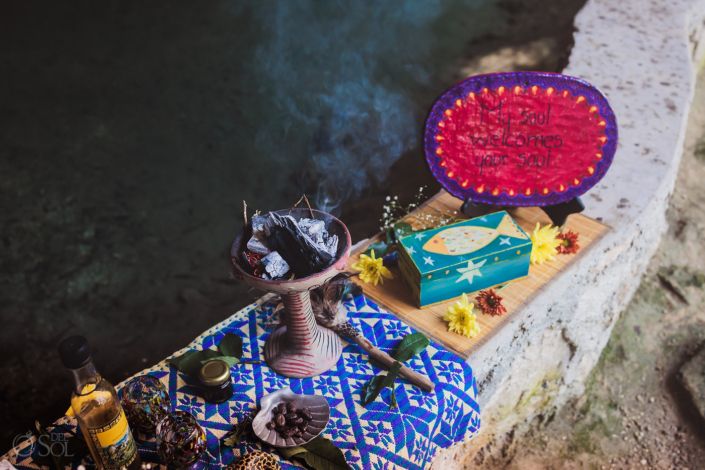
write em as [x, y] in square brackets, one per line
[300, 348]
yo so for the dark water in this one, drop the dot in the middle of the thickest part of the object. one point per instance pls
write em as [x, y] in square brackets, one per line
[132, 131]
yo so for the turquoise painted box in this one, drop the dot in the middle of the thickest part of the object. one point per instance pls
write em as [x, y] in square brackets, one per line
[445, 262]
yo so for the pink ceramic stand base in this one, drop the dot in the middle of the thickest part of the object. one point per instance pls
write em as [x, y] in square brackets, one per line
[301, 349]
[290, 363]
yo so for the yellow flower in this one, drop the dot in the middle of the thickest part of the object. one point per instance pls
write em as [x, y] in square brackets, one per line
[545, 244]
[461, 318]
[372, 269]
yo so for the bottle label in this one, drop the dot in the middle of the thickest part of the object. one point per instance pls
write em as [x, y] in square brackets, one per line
[114, 443]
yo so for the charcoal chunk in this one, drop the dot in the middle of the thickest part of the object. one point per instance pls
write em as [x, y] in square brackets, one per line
[302, 254]
[275, 265]
[315, 229]
[257, 242]
[332, 245]
[258, 223]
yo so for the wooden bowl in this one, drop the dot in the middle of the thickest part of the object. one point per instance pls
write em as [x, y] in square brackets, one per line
[317, 405]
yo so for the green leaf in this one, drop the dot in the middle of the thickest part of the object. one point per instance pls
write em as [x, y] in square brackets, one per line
[402, 229]
[209, 353]
[234, 437]
[391, 237]
[322, 454]
[380, 249]
[289, 452]
[231, 345]
[393, 404]
[369, 388]
[410, 346]
[379, 382]
[191, 361]
[231, 361]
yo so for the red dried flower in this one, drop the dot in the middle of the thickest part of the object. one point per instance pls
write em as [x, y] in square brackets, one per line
[490, 303]
[569, 243]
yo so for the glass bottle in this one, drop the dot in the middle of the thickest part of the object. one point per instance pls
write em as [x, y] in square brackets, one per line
[98, 410]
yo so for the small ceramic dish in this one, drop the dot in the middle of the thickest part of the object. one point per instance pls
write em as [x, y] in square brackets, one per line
[317, 405]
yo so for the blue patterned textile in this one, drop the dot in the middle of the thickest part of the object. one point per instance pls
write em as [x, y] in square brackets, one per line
[371, 438]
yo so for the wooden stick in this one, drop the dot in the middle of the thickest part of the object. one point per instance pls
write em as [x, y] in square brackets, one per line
[309, 208]
[304, 198]
[244, 212]
[421, 381]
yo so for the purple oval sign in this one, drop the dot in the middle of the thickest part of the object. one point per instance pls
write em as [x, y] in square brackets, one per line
[520, 139]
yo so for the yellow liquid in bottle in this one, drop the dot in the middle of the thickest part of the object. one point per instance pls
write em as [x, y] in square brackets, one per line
[104, 426]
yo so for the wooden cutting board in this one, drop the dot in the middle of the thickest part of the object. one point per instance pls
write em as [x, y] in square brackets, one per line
[396, 298]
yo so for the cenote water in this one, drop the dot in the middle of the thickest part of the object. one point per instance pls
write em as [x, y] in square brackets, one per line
[133, 131]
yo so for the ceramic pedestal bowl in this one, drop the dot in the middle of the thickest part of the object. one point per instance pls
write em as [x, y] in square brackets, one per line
[300, 348]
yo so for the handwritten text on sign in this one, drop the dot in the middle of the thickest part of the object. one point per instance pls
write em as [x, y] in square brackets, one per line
[520, 140]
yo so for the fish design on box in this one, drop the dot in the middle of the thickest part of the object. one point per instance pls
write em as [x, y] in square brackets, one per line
[457, 241]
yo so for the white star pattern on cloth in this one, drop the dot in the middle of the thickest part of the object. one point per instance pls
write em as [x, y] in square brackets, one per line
[428, 260]
[471, 271]
[420, 236]
[411, 250]
[505, 241]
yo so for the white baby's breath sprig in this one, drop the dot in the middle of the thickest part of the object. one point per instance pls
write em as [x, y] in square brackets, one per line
[393, 213]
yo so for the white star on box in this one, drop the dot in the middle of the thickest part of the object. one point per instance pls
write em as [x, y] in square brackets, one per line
[420, 236]
[411, 250]
[505, 241]
[428, 260]
[484, 219]
[471, 271]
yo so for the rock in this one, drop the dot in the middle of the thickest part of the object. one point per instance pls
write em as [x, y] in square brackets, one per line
[692, 376]
[683, 282]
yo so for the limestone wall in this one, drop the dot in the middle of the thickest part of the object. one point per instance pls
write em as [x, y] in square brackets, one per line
[643, 55]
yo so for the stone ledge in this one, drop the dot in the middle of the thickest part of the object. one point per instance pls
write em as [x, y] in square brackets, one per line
[643, 55]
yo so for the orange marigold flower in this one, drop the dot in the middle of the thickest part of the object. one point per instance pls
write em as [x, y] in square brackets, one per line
[490, 303]
[569, 243]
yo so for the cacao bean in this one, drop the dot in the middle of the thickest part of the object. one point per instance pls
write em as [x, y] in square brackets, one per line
[305, 413]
